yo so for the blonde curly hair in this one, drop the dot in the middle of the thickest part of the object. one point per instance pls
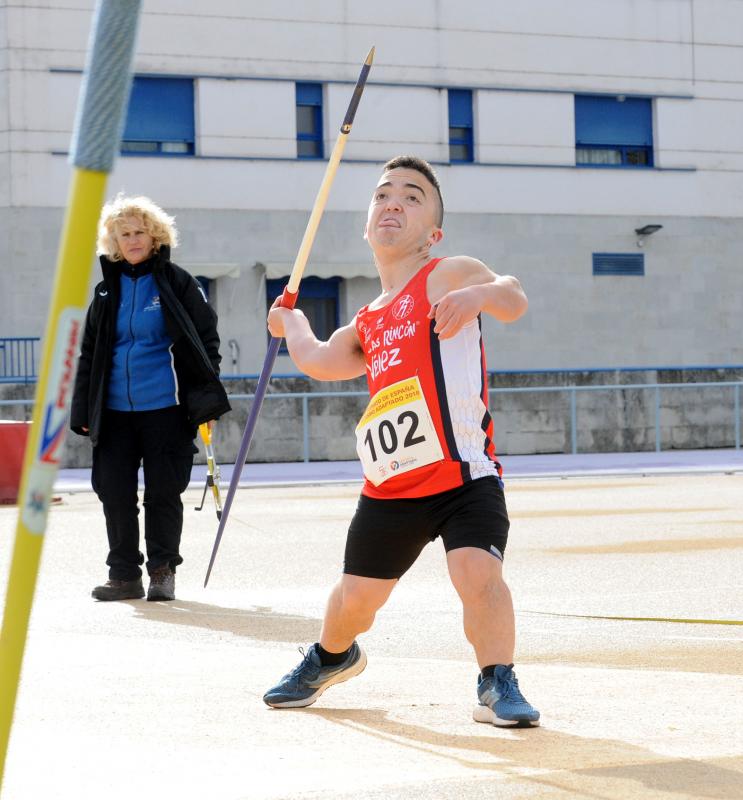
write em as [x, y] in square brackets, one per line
[159, 225]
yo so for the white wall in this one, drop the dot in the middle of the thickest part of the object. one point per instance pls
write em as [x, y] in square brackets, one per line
[524, 127]
[253, 185]
[390, 120]
[237, 118]
[642, 45]
[707, 134]
[603, 45]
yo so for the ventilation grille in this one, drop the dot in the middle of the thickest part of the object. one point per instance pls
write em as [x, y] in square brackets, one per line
[618, 263]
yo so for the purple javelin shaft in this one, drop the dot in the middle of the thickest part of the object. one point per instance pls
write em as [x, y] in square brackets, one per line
[289, 297]
[260, 393]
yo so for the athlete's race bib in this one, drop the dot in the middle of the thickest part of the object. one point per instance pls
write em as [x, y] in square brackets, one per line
[396, 432]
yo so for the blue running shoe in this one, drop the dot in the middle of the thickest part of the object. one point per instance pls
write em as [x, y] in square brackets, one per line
[501, 702]
[310, 679]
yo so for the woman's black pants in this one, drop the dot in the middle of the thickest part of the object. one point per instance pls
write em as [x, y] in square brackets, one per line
[162, 442]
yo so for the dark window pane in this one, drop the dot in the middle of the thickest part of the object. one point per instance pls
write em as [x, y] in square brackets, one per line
[307, 148]
[307, 120]
[459, 152]
[318, 299]
[321, 313]
[637, 157]
[459, 133]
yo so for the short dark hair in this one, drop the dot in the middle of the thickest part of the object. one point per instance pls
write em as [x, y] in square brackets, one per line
[422, 166]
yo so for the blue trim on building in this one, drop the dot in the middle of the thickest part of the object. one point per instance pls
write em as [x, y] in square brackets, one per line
[495, 164]
[413, 85]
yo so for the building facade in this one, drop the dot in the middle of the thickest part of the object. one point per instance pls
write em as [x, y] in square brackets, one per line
[592, 148]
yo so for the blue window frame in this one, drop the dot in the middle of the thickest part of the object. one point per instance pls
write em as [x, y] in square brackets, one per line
[319, 299]
[618, 263]
[309, 120]
[461, 138]
[613, 131]
[160, 117]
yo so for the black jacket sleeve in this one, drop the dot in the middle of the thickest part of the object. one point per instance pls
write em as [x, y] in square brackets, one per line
[79, 407]
[203, 317]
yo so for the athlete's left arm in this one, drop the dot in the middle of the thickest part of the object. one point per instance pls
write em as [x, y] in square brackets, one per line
[461, 287]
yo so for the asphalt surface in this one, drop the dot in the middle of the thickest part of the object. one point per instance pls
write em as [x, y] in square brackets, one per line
[628, 598]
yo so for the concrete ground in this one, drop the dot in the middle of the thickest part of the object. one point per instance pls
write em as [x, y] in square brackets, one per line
[628, 598]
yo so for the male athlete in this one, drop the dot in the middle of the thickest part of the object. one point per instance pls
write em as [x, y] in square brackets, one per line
[425, 443]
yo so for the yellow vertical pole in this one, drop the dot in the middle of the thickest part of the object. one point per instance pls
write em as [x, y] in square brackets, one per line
[97, 133]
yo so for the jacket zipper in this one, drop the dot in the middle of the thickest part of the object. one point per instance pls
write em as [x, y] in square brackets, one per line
[131, 345]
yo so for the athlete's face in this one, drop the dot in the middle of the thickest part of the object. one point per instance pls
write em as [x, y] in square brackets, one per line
[403, 212]
[133, 241]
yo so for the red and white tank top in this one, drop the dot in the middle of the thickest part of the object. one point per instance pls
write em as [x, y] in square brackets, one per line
[399, 346]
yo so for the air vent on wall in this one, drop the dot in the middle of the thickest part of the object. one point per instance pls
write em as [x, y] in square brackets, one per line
[618, 263]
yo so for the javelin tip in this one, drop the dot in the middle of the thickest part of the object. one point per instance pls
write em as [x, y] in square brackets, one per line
[370, 57]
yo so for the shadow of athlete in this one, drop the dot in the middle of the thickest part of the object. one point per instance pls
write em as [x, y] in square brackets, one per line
[261, 623]
[566, 765]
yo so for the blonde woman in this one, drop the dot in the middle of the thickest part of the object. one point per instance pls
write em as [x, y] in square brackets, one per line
[148, 375]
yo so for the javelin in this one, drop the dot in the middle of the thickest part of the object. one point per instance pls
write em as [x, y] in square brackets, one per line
[289, 297]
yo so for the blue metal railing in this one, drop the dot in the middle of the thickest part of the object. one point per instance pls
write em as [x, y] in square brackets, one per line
[18, 359]
[572, 392]
[18, 365]
[734, 386]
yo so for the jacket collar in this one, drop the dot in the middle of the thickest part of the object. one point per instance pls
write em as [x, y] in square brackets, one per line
[112, 270]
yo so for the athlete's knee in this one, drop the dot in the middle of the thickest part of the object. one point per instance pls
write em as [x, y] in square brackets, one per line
[362, 598]
[477, 576]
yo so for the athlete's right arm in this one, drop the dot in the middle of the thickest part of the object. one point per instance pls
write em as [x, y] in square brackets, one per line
[340, 358]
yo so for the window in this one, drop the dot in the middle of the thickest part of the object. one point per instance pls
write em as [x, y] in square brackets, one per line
[461, 142]
[160, 118]
[613, 131]
[318, 299]
[309, 120]
[618, 264]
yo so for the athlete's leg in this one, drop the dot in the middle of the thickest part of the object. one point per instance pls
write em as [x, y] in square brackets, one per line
[337, 657]
[384, 539]
[489, 626]
[352, 606]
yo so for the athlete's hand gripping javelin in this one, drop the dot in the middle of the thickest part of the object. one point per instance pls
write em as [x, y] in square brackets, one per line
[340, 358]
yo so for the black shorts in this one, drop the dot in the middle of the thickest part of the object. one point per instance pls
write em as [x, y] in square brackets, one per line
[386, 536]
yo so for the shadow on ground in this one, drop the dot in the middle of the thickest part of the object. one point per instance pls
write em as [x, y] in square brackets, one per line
[259, 622]
[568, 763]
